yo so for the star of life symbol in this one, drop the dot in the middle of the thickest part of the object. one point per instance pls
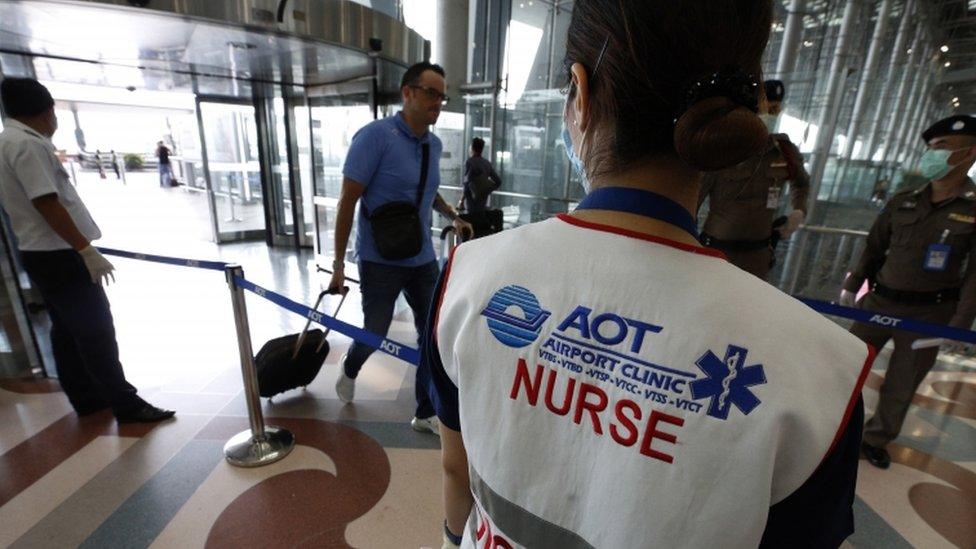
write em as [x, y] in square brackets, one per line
[728, 382]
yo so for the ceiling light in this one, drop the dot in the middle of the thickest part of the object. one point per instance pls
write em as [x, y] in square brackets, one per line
[955, 99]
[807, 43]
[944, 48]
[909, 50]
[948, 63]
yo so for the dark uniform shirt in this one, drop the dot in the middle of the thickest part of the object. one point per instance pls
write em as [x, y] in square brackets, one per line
[900, 240]
[475, 168]
[744, 198]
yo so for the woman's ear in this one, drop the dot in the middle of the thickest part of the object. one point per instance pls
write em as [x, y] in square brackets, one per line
[581, 100]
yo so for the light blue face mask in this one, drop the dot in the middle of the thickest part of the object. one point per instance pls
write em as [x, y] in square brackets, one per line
[934, 164]
[771, 121]
[575, 160]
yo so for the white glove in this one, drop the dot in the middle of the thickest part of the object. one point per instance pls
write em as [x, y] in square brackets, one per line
[847, 299]
[98, 267]
[448, 544]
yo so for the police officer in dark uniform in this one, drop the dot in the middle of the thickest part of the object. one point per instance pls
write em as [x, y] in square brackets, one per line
[744, 199]
[919, 262]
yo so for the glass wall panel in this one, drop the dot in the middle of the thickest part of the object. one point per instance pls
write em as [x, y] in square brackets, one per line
[522, 126]
[334, 122]
[235, 172]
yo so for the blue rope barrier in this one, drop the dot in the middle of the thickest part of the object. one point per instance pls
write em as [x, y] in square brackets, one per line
[888, 321]
[392, 348]
[412, 355]
[194, 263]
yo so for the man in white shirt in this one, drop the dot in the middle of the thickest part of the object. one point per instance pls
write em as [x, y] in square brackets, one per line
[54, 232]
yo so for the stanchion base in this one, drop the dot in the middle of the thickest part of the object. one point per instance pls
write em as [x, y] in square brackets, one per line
[244, 451]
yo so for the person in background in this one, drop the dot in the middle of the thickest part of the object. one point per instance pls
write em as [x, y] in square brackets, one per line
[115, 165]
[394, 163]
[744, 199]
[602, 379]
[919, 263]
[165, 166]
[480, 179]
[54, 233]
[98, 164]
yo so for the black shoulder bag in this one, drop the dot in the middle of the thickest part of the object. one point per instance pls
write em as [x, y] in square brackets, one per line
[397, 227]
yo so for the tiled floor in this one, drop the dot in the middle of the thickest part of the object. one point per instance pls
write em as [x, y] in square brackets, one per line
[359, 476]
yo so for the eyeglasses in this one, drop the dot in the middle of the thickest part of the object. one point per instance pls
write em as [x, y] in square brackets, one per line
[432, 94]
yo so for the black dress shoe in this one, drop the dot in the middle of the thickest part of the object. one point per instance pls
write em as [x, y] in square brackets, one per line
[879, 457]
[145, 413]
[89, 409]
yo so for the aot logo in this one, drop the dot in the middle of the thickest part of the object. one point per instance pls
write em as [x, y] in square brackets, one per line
[390, 347]
[885, 320]
[515, 317]
[608, 328]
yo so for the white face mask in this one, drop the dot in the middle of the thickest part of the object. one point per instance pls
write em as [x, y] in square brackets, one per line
[574, 158]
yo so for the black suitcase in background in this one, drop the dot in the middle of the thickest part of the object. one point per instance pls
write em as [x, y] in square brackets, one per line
[293, 361]
[485, 222]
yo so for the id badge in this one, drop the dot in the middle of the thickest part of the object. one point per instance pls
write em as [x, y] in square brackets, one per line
[937, 258]
[772, 199]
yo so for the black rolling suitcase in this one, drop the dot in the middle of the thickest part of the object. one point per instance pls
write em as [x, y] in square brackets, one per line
[293, 361]
[485, 222]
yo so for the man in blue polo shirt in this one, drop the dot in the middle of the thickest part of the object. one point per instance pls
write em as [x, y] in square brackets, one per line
[385, 165]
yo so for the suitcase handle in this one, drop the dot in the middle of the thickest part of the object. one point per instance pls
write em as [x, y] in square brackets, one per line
[301, 338]
[324, 270]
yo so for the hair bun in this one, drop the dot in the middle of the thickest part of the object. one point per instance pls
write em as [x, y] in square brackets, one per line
[717, 133]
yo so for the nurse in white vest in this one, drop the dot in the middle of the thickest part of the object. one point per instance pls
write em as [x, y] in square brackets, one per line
[601, 379]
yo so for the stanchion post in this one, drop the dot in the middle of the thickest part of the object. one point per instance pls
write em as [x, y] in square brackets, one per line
[260, 445]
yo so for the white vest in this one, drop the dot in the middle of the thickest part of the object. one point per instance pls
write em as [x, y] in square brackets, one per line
[618, 390]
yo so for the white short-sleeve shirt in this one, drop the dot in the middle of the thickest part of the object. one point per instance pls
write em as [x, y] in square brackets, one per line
[30, 169]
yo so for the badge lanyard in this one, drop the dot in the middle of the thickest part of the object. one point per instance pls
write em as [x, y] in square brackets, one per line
[643, 203]
[937, 255]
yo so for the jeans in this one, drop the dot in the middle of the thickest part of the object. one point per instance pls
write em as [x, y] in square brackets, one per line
[381, 285]
[86, 354]
[165, 175]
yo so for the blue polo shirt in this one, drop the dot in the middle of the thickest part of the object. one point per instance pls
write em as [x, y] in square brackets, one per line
[385, 157]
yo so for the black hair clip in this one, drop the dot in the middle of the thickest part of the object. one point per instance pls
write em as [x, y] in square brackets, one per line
[742, 89]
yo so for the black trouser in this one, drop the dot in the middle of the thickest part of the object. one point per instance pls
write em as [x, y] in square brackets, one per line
[86, 354]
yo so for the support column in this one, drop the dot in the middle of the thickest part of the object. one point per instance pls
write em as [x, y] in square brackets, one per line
[867, 75]
[896, 114]
[914, 118]
[896, 54]
[790, 48]
[827, 125]
[451, 50]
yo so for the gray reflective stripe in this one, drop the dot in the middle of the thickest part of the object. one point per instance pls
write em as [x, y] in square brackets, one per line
[521, 526]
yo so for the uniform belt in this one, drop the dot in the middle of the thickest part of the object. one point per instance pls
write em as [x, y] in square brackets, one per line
[916, 298]
[734, 245]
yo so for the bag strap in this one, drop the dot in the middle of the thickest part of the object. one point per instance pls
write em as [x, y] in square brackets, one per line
[421, 186]
[424, 168]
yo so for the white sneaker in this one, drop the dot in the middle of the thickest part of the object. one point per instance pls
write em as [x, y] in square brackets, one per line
[426, 425]
[345, 385]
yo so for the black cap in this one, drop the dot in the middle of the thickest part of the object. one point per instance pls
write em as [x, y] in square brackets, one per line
[961, 124]
[24, 97]
[775, 90]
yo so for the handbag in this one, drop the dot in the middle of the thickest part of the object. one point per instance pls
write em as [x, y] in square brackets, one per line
[397, 226]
